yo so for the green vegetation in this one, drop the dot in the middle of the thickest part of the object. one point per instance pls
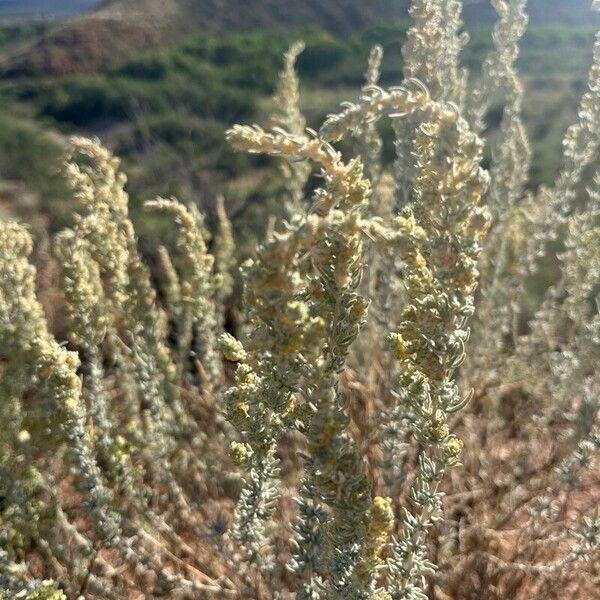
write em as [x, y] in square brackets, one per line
[181, 100]
[15, 34]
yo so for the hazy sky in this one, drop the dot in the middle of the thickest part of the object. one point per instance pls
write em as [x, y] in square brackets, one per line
[50, 8]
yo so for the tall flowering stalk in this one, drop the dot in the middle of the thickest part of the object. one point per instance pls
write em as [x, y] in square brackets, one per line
[224, 252]
[502, 278]
[498, 70]
[262, 404]
[92, 173]
[445, 226]
[431, 55]
[350, 520]
[370, 142]
[430, 50]
[288, 117]
[86, 305]
[198, 286]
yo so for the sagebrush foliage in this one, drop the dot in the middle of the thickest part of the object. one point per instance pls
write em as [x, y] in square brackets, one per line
[324, 447]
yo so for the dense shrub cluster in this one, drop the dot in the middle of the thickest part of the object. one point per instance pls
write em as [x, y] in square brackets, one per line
[395, 414]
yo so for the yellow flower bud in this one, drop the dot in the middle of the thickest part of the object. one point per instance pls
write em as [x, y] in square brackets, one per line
[231, 348]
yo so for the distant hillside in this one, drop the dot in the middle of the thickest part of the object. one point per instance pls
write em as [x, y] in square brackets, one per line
[244, 14]
[118, 29]
[235, 15]
[564, 12]
[239, 15]
[159, 81]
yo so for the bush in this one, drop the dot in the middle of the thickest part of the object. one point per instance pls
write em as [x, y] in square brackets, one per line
[82, 102]
[407, 405]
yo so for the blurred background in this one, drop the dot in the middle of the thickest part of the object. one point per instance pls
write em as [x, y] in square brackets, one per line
[159, 81]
